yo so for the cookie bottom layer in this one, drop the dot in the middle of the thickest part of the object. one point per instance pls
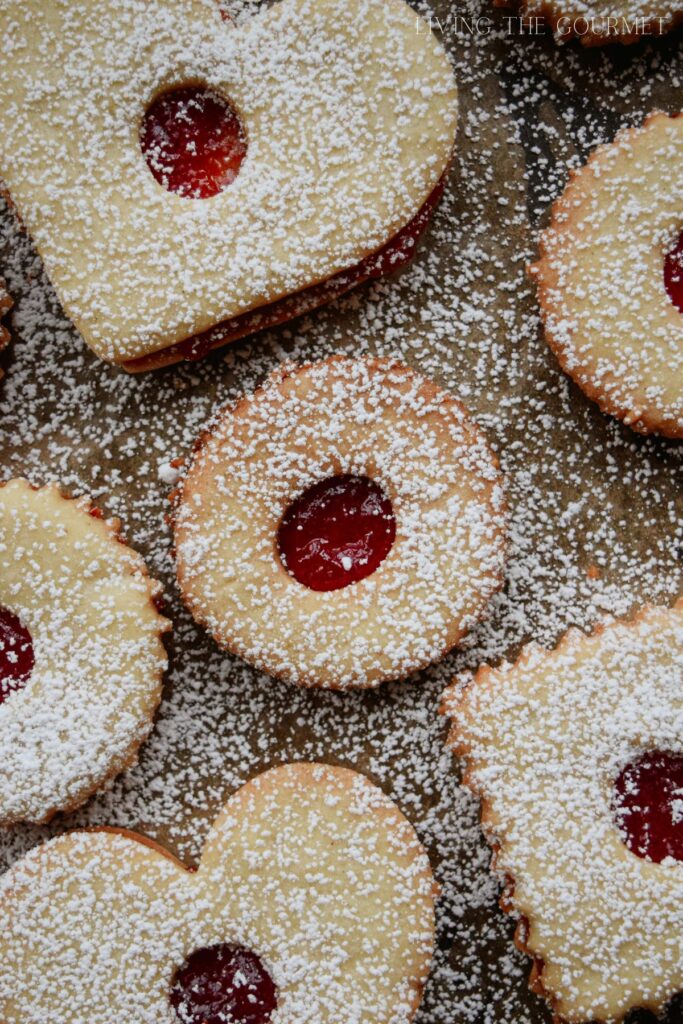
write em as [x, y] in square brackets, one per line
[396, 253]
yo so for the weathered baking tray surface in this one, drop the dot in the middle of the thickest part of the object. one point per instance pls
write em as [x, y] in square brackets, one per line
[596, 510]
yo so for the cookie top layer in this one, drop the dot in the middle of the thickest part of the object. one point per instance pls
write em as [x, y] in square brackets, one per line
[312, 867]
[600, 275]
[371, 417]
[88, 603]
[349, 112]
[544, 741]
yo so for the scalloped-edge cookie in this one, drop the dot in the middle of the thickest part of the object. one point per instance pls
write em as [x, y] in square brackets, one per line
[310, 870]
[81, 656]
[601, 287]
[544, 741]
[349, 116]
[341, 420]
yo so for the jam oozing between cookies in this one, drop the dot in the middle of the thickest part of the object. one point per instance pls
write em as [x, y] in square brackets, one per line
[392, 256]
[673, 273]
[337, 532]
[16, 653]
[649, 805]
[223, 985]
[193, 142]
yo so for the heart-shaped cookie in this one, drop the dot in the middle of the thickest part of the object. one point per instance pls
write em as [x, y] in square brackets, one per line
[347, 111]
[310, 868]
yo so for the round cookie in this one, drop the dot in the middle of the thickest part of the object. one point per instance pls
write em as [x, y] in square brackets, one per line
[81, 657]
[311, 871]
[601, 281]
[341, 419]
[560, 746]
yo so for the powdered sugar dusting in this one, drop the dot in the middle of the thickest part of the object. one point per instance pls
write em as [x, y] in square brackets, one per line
[5, 305]
[95, 682]
[310, 866]
[607, 314]
[340, 416]
[595, 509]
[544, 741]
[335, 165]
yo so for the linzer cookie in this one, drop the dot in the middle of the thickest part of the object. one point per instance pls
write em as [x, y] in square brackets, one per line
[343, 525]
[313, 901]
[610, 277]
[81, 657]
[188, 180]
[577, 755]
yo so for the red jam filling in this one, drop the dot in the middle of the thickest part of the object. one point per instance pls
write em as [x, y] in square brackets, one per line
[337, 532]
[649, 805]
[673, 273]
[223, 985]
[16, 654]
[193, 142]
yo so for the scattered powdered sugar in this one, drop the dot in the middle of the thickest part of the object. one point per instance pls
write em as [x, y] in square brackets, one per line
[95, 682]
[601, 284]
[168, 473]
[545, 739]
[677, 811]
[309, 865]
[5, 304]
[595, 22]
[595, 509]
[336, 165]
[363, 417]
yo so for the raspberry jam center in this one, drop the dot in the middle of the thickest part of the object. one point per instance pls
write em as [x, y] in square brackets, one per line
[16, 653]
[673, 273]
[337, 532]
[649, 805]
[193, 142]
[223, 985]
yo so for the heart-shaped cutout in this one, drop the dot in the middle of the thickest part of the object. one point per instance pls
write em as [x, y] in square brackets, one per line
[348, 110]
[310, 868]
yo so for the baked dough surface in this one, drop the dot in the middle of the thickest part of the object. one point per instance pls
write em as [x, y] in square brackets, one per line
[600, 275]
[88, 603]
[310, 866]
[543, 740]
[369, 417]
[349, 107]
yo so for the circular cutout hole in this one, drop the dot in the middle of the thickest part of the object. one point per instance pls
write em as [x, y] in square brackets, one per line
[223, 985]
[193, 141]
[16, 654]
[673, 273]
[337, 532]
[649, 805]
